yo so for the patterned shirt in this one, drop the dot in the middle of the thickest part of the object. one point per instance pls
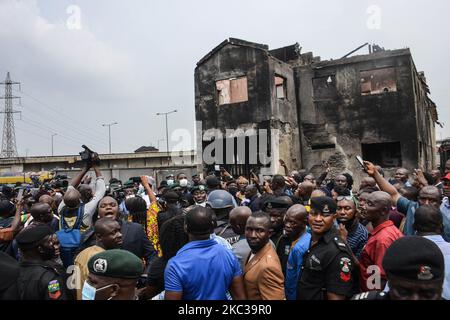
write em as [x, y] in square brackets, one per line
[357, 239]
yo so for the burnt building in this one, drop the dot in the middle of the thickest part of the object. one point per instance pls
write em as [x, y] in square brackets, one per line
[375, 105]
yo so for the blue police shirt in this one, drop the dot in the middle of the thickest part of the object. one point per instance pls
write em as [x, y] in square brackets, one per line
[202, 270]
[294, 266]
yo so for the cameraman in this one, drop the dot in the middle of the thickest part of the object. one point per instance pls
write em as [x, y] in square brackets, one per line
[72, 198]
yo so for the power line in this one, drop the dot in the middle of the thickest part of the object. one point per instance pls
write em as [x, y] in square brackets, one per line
[65, 126]
[58, 111]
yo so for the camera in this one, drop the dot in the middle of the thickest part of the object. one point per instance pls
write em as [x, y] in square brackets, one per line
[89, 157]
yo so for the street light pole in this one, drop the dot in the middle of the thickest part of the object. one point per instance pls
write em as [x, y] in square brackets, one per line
[55, 134]
[109, 132]
[167, 127]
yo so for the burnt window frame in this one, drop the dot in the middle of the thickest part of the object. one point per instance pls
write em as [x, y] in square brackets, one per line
[229, 79]
[285, 91]
[363, 94]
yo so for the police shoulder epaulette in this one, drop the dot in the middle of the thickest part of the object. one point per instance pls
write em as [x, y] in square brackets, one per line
[370, 295]
[340, 244]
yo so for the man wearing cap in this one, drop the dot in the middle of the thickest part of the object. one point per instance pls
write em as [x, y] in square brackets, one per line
[195, 179]
[170, 208]
[381, 237]
[276, 207]
[328, 268]
[38, 280]
[199, 195]
[113, 275]
[415, 271]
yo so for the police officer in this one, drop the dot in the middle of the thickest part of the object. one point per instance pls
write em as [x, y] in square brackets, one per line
[199, 195]
[113, 275]
[327, 268]
[415, 270]
[38, 278]
[276, 207]
[222, 202]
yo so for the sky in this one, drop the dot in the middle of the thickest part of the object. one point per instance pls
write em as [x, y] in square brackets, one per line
[86, 63]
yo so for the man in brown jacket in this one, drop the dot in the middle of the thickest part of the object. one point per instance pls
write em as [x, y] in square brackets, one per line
[263, 276]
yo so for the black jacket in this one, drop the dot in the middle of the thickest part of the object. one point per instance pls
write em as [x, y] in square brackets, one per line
[133, 236]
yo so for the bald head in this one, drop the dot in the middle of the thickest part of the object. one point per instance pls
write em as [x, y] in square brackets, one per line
[199, 222]
[430, 195]
[297, 211]
[318, 193]
[72, 198]
[295, 221]
[48, 200]
[238, 219]
[42, 212]
[305, 189]
[102, 226]
[367, 182]
[381, 197]
[85, 192]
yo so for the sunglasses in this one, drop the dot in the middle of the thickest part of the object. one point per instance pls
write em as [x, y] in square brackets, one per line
[340, 198]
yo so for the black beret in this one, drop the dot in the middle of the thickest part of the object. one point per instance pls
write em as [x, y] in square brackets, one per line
[280, 202]
[324, 204]
[212, 182]
[163, 184]
[414, 258]
[170, 196]
[116, 263]
[31, 235]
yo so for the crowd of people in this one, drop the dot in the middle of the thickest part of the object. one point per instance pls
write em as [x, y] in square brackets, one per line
[292, 236]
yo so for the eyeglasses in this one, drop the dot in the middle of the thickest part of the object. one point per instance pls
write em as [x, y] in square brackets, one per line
[340, 198]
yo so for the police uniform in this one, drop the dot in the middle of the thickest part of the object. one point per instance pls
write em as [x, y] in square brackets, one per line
[39, 280]
[327, 265]
[413, 258]
[281, 202]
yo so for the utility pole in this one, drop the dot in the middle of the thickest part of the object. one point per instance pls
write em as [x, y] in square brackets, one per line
[55, 134]
[109, 130]
[167, 128]
[9, 147]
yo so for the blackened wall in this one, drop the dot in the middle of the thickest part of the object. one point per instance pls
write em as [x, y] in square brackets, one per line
[347, 119]
[262, 110]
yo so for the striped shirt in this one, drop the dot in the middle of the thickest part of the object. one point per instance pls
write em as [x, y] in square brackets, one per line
[357, 239]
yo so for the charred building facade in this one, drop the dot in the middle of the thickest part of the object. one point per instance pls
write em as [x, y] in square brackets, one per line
[374, 105]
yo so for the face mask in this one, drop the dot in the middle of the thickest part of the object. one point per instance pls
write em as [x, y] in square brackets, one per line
[130, 196]
[88, 292]
[183, 183]
[170, 182]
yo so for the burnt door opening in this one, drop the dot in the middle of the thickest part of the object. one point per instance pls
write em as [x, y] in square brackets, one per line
[386, 155]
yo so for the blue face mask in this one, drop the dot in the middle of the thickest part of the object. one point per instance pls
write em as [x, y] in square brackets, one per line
[88, 292]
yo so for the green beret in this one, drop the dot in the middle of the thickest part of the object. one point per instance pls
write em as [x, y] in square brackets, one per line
[199, 187]
[32, 235]
[116, 263]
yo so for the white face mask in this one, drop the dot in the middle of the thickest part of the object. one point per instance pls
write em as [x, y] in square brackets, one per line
[183, 183]
[88, 292]
[170, 182]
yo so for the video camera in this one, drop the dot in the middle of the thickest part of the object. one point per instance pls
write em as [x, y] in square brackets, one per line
[89, 157]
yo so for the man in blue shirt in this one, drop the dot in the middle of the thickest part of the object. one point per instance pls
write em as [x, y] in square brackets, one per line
[295, 223]
[428, 224]
[203, 269]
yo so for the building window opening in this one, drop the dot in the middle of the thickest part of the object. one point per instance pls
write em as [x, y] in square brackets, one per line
[232, 90]
[378, 81]
[280, 87]
[386, 155]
